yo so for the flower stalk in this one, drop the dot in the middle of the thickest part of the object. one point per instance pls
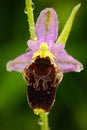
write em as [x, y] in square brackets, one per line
[29, 10]
[44, 121]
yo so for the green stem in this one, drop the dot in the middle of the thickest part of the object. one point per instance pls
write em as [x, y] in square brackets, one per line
[44, 121]
[30, 19]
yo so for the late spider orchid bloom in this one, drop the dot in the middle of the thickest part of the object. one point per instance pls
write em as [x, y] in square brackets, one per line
[43, 66]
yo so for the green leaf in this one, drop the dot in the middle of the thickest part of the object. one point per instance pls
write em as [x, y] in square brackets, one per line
[67, 28]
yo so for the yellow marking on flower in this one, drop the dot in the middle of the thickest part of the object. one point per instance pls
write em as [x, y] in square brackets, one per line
[38, 111]
[48, 19]
[43, 52]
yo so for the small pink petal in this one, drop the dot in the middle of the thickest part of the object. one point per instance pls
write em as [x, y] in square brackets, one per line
[67, 63]
[19, 63]
[33, 45]
[55, 48]
[47, 25]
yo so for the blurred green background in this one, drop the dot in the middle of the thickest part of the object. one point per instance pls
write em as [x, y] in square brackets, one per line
[70, 109]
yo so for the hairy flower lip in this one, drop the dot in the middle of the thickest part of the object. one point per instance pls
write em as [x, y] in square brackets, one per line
[41, 99]
[42, 78]
[46, 62]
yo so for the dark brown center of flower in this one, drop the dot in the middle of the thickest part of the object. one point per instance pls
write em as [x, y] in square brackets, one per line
[42, 78]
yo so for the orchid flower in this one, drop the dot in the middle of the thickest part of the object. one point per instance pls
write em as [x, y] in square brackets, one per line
[45, 62]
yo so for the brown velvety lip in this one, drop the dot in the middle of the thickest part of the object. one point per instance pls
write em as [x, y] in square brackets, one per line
[41, 77]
